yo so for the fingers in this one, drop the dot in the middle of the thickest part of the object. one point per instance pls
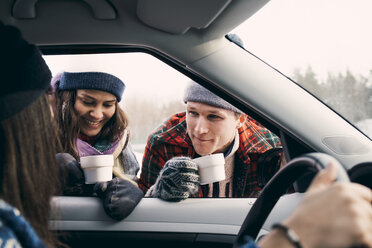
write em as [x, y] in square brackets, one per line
[179, 179]
[181, 170]
[328, 175]
[324, 178]
[182, 173]
[362, 191]
[357, 199]
[170, 190]
[183, 163]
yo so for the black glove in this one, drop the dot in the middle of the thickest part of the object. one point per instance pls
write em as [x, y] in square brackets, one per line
[178, 180]
[119, 197]
[72, 176]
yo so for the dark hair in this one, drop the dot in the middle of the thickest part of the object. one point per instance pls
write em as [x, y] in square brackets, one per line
[68, 124]
[29, 173]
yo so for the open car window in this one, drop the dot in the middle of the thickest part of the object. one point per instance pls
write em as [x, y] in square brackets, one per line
[153, 89]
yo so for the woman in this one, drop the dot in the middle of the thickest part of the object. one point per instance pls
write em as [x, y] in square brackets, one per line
[28, 142]
[92, 123]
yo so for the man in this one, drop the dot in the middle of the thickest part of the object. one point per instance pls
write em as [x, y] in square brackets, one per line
[210, 125]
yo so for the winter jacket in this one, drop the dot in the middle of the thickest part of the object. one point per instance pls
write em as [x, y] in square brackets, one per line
[125, 162]
[171, 140]
[15, 231]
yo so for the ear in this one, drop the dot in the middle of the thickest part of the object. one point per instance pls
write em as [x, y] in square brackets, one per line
[240, 121]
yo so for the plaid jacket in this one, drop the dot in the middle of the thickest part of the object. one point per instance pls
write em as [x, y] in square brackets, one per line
[171, 140]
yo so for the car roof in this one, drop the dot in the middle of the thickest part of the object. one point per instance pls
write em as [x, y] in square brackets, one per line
[162, 25]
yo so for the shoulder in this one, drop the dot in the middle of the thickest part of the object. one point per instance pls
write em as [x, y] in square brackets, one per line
[15, 231]
[170, 123]
[257, 138]
[172, 131]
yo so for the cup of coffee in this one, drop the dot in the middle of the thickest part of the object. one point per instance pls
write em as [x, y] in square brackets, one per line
[97, 168]
[211, 168]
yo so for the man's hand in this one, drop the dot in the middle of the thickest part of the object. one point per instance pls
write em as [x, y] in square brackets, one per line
[178, 180]
[333, 214]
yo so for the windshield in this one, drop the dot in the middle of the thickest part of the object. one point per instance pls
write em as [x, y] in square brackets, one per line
[325, 46]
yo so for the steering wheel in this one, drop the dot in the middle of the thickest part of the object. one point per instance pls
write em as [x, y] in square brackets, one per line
[306, 165]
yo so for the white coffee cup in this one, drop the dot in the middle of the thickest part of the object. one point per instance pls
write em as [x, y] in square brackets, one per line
[211, 168]
[97, 168]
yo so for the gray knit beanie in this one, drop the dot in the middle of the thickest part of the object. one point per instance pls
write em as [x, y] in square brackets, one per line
[92, 80]
[24, 74]
[196, 93]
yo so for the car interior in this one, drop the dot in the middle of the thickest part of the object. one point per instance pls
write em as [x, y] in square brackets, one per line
[188, 37]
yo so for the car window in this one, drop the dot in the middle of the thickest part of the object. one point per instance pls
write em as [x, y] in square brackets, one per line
[153, 90]
[329, 55]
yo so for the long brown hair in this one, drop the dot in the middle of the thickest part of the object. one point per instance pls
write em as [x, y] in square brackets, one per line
[29, 173]
[68, 124]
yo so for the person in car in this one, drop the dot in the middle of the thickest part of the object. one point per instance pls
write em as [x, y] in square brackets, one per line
[92, 123]
[28, 170]
[331, 214]
[209, 125]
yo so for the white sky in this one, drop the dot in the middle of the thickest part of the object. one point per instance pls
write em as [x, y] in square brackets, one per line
[133, 68]
[329, 35]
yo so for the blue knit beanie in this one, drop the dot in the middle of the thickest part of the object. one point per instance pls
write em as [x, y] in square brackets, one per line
[92, 80]
[197, 93]
[24, 74]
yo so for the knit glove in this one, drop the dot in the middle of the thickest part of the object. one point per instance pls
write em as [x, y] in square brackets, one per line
[119, 197]
[72, 176]
[178, 180]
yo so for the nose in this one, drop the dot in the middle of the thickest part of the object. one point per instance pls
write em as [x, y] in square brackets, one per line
[96, 113]
[201, 126]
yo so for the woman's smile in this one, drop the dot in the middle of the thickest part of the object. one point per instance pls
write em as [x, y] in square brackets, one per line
[92, 124]
[94, 108]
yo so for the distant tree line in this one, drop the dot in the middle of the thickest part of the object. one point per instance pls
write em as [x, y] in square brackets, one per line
[145, 114]
[348, 94]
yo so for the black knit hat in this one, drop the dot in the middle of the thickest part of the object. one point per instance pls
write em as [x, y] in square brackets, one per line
[92, 80]
[24, 74]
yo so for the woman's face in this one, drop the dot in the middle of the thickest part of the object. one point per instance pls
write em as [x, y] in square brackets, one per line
[94, 109]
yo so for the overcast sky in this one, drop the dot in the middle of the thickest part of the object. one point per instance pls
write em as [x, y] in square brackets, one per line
[329, 35]
[133, 68]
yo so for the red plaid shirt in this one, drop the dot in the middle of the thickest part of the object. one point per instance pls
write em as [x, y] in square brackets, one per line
[171, 140]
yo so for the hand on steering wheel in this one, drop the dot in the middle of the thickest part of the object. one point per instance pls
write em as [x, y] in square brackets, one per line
[277, 186]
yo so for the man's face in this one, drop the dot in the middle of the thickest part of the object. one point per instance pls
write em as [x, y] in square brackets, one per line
[211, 129]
